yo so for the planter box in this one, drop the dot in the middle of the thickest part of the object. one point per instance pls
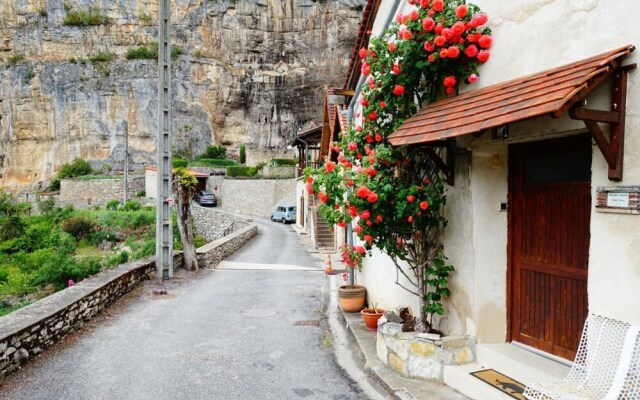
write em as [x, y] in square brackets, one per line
[415, 355]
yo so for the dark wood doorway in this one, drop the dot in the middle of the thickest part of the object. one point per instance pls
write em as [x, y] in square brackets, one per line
[549, 225]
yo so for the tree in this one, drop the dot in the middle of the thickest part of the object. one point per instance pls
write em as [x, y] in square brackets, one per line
[184, 186]
[396, 193]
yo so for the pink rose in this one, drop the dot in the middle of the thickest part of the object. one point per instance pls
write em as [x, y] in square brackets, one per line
[471, 51]
[461, 11]
[428, 24]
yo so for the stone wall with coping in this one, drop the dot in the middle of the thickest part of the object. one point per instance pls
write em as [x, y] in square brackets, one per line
[86, 194]
[256, 196]
[212, 224]
[418, 355]
[28, 331]
[256, 156]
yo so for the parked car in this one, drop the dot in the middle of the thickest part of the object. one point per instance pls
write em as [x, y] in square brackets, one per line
[205, 198]
[284, 214]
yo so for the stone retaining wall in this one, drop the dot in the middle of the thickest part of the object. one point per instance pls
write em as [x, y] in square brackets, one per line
[212, 253]
[416, 355]
[28, 331]
[86, 194]
[256, 196]
[212, 223]
[279, 172]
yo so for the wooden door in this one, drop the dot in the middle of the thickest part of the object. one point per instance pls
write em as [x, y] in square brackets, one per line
[549, 221]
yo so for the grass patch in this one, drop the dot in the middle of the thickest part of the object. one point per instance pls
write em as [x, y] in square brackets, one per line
[212, 162]
[91, 17]
[14, 59]
[102, 56]
[150, 52]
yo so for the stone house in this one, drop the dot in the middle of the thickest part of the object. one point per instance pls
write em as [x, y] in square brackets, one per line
[544, 175]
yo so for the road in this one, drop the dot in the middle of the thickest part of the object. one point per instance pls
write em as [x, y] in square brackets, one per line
[247, 331]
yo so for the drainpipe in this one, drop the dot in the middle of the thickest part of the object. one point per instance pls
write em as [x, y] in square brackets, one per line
[352, 104]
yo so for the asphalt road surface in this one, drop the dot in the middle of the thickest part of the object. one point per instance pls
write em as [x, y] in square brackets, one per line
[246, 331]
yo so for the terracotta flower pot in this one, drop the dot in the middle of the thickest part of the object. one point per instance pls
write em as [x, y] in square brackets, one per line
[352, 297]
[371, 317]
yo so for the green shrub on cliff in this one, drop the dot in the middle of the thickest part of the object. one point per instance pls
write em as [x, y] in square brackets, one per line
[77, 167]
[91, 17]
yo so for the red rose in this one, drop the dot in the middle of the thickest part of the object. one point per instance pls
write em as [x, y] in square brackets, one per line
[364, 102]
[365, 214]
[472, 37]
[483, 55]
[396, 69]
[438, 28]
[444, 53]
[379, 218]
[424, 3]
[438, 5]
[428, 24]
[431, 58]
[322, 197]
[411, 198]
[352, 146]
[471, 51]
[373, 115]
[405, 34]
[410, 219]
[392, 47]
[449, 81]
[449, 90]
[439, 41]
[366, 69]
[453, 51]
[368, 238]
[383, 104]
[414, 15]
[369, 223]
[472, 78]
[358, 229]
[412, 2]
[363, 191]
[378, 137]
[310, 179]
[342, 224]
[448, 34]
[309, 188]
[369, 139]
[485, 41]
[349, 182]
[461, 11]
[362, 53]
[359, 128]
[372, 198]
[398, 90]
[399, 18]
[353, 211]
[330, 166]
[371, 172]
[424, 205]
[428, 46]
[458, 28]
[360, 249]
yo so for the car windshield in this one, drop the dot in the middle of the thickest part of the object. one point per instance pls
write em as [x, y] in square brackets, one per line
[291, 208]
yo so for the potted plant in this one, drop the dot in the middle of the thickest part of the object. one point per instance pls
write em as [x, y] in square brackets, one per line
[352, 297]
[371, 315]
[395, 195]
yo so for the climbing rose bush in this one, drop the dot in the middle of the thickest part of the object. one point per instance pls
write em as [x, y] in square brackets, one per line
[392, 193]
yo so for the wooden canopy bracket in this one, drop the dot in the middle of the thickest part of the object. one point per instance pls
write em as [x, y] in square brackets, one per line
[613, 148]
[447, 166]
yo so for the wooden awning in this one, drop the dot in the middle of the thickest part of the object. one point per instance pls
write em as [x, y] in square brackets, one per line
[547, 93]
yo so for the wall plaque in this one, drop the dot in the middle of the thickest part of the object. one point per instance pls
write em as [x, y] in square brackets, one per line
[619, 199]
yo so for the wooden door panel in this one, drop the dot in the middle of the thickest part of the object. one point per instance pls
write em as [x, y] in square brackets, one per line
[549, 243]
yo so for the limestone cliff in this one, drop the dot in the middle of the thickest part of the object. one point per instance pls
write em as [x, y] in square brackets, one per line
[251, 71]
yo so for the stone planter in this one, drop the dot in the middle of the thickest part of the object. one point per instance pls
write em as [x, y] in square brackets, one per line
[420, 355]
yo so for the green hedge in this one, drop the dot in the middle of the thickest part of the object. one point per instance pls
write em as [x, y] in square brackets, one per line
[241, 171]
[212, 162]
[283, 162]
[180, 163]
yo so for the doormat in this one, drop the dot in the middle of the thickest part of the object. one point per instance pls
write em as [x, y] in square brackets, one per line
[501, 382]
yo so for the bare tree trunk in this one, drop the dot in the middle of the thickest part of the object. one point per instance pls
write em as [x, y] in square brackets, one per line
[183, 200]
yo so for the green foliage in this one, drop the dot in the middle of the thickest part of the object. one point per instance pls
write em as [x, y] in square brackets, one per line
[243, 154]
[77, 167]
[143, 53]
[145, 19]
[132, 205]
[28, 76]
[54, 185]
[11, 227]
[185, 178]
[47, 205]
[97, 237]
[14, 59]
[180, 163]
[102, 56]
[176, 52]
[239, 171]
[141, 193]
[215, 152]
[78, 227]
[199, 241]
[212, 162]
[283, 162]
[113, 205]
[90, 17]
[43, 12]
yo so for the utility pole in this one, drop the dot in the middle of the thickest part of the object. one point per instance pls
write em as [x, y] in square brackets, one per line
[126, 165]
[164, 231]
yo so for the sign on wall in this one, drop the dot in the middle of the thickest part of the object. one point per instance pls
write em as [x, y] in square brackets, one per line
[619, 199]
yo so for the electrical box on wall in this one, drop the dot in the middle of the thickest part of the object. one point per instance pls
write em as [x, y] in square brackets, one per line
[619, 199]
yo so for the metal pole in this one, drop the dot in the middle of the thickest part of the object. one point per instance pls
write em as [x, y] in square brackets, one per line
[126, 165]
[164, 231]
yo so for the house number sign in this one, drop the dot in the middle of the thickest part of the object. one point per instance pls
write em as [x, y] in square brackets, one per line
[619, 199]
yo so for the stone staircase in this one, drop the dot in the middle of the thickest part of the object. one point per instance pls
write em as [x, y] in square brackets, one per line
[324, 237]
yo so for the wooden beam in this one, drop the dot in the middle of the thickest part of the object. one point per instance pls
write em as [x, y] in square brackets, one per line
[587, 114]
[445, 166]
[602, 142]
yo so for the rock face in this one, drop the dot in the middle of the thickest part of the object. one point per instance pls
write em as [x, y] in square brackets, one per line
[251, 71]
